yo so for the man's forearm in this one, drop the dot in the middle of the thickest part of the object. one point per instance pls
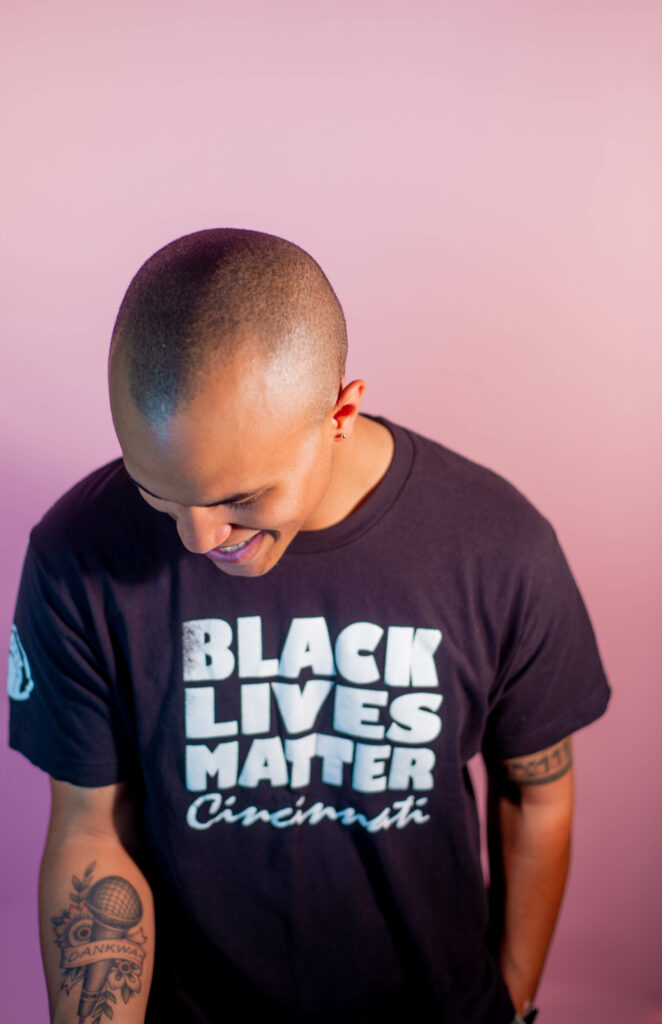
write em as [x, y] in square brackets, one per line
[530, 830]
[97, 931]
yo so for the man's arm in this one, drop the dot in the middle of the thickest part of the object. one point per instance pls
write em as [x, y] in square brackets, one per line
[95, 909]
[530, 801]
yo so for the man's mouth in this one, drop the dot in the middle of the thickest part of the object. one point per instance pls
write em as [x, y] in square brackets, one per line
[240, 552]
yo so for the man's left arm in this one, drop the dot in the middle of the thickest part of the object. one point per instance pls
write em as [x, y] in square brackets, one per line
[530, 802]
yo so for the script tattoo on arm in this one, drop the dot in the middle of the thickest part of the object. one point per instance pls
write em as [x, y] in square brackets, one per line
[540, 768]
[101, 943]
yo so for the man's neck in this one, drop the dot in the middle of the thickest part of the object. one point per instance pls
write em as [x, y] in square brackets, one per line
[360, 463]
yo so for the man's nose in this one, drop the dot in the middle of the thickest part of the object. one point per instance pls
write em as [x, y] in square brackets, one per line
[201, 529]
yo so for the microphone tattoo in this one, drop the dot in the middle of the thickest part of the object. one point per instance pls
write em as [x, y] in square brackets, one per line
[101, 944]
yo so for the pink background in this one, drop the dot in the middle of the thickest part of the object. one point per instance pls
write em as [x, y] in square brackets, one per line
[481, 182]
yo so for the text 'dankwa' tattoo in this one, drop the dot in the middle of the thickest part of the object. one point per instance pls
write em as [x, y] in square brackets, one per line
[101, 944]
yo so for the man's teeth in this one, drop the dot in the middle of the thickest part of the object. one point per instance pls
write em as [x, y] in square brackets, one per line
[235, 547]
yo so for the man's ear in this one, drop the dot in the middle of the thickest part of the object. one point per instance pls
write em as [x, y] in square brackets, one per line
[347, 408]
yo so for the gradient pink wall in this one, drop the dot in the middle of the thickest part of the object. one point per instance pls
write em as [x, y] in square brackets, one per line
[481, 182]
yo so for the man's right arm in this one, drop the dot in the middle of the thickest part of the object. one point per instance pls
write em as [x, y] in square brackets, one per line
[95, 909]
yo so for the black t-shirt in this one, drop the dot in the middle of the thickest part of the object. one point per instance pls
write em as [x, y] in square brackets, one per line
[299, 741]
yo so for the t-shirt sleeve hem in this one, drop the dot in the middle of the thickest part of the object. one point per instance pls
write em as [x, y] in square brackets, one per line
[529, 742]
[101, 773]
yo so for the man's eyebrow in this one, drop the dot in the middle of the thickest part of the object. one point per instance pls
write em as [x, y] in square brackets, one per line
[234, 499]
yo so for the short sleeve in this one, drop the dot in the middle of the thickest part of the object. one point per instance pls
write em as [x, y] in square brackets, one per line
[551, 681]
[63, 715]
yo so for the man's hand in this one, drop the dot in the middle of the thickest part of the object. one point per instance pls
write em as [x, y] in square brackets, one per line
[530, 802]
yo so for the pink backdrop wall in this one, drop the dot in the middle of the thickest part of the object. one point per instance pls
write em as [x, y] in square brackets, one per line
[481, 182]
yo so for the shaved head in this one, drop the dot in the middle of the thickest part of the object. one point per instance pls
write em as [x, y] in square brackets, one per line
[226, 294]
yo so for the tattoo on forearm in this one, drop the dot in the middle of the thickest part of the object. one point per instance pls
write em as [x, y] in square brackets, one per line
[547, 766]
[100, 943]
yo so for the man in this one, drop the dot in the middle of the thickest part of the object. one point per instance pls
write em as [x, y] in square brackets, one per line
[255, 657]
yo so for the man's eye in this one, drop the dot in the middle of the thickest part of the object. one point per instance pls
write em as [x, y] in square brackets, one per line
[243, 504]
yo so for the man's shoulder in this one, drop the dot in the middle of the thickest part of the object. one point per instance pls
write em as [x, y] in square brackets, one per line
[462, 491]
[101, 505]
[101, 487]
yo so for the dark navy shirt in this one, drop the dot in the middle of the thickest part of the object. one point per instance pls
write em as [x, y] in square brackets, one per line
[298, 742]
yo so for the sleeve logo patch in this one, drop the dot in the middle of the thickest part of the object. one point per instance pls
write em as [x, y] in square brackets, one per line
[20, 683]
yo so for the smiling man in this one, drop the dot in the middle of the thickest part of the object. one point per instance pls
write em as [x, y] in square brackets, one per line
[255, 656]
